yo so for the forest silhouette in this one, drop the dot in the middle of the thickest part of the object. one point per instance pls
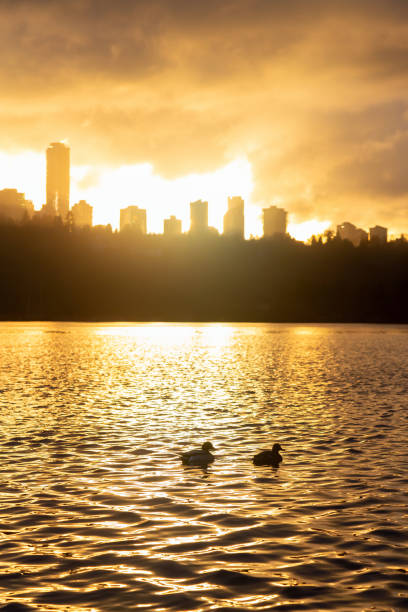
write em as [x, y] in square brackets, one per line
[59, 272]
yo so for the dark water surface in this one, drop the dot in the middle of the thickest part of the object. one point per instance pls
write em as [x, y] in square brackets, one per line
[97, 512]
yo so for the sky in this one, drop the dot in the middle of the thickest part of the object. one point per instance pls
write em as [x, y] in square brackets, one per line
[302, 104]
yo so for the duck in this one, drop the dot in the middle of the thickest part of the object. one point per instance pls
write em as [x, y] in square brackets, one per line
[200, 456]
[269, 457]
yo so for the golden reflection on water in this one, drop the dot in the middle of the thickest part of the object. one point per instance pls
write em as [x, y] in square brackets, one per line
[214, 334]
[99, 514]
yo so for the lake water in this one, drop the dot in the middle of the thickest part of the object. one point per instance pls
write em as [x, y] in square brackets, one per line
[98, 513]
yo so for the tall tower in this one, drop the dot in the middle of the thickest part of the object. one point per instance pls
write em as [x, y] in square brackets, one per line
[274, 221]
[82, 214]
[378, 234]
[58, 178]
[133, 218]
[234, 217]
[172, 226]
[199, 217]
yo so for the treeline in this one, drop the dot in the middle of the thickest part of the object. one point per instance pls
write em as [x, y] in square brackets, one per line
[57, 272]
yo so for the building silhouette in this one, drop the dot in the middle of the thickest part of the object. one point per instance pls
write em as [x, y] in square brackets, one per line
[46, 213]
[133, 218]
[348, 231]
[172, 226]
[198, 217]
[378, 234]
[82, 214]
[58, 179]
[234, 221]
[14, 206]
[274, 221]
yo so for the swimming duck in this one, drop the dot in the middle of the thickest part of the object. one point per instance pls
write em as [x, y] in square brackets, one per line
[200, 456]
[269, 457]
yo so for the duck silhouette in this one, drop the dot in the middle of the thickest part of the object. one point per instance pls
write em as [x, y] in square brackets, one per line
[269, 457]
[200, 456]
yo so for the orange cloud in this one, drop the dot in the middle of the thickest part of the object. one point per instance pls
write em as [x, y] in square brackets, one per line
[312, 93]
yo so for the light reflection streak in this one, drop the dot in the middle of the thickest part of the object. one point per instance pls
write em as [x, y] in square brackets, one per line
[213, 334]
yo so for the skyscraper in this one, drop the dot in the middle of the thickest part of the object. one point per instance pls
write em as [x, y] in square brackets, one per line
[133, 218]
[234, 217]
[378, 234]
[199, 216]
[13, 205]
[348, 231]
[172, 226]
[274, 221]
[58, 178]
[82, 214]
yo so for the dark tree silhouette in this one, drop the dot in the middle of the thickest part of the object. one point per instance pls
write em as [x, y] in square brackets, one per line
[54, 271]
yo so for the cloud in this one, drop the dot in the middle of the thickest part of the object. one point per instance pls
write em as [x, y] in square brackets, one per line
[379, 170]
[312, 93]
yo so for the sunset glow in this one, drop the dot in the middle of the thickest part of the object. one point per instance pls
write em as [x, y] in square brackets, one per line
[202, 102]
[307, 229]
[109, 189]
[204, 304]
[115, 188]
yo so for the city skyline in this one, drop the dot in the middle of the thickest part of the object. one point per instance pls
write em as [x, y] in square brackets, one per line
[234, 220]
[14, 205]
[234, 180]
[306, 102]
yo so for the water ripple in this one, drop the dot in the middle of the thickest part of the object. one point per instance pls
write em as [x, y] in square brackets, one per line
[98, 513]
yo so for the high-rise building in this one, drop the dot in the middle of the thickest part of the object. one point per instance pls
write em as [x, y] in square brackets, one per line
[133, 218]
[274, 221]
[172, 226]
[348, 231]
[198, 217]
[58, 179]
[82, 214]
[13, 205]
[46, 213]
[234, 217]
[378, 234]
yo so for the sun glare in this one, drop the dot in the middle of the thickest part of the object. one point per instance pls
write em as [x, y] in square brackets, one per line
[304, 231]
[24, 172]
[109, 189]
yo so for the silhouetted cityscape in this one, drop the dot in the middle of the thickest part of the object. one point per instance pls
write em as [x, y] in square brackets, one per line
[14, 206]
[55, 265]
